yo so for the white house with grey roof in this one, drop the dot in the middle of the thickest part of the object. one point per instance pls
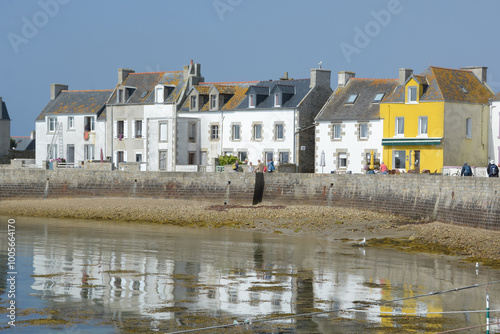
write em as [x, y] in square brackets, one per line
[349, 129]
[259, 120]
[69, 127]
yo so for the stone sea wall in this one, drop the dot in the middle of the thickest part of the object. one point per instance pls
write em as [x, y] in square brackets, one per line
[473, 202]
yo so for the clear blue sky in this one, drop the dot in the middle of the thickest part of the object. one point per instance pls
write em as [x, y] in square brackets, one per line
[82, 43]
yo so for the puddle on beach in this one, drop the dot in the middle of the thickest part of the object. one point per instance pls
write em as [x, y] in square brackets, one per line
[74, 276]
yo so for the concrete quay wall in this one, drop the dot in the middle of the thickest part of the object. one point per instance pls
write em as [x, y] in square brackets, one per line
[469, 201]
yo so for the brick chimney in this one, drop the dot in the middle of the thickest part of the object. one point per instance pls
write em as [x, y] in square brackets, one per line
[320, 78]
[55, 90]
[479, 71]
[344, 77]
[404, 74]
[123, 74]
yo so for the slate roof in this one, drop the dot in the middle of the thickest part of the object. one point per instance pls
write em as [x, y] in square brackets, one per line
[237, 91]
[299, 87]
[24, 143]
[363, 108]
[74, 102]
[144, 84]
[444, 84]
[5, 114]
[496, 97]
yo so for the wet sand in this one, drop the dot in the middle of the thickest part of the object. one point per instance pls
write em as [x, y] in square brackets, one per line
[346, 224]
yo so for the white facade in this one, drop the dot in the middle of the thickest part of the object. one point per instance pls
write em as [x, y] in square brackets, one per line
[238, 134]
[69, 139]
[494, 138]
[349, 151]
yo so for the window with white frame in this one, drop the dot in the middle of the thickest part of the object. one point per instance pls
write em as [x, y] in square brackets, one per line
[138, 157]
[192, 132]
[269, 156]
[163, 132]
[277, 99]
[242, 155]
[214, 132]
[88, 152]
[337, 134]
[162, 154]
[236, 132]
[400, 126]
[71, 123]
[51, 124]
[120, 129]
[399, 159]
[468, 128]
[120, 98]
[257, 131]
[52, 151]
[138, 129]
[363, 130]
[412, 94]
[213, 101]
[422, 125]
[193, 104]
[284, 157]
[251, 100]
[89, 123]
[278, 132]
[342, 160]
[160, 94]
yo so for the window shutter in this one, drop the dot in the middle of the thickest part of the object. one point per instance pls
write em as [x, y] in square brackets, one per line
[125, 130]
[125, 156]
[143, 130]
[115, 130]
[133, 129]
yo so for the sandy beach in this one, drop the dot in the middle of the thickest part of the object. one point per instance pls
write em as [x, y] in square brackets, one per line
[346, 224]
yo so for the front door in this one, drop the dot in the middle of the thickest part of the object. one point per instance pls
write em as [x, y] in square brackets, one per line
[417, 161]
[71, 154]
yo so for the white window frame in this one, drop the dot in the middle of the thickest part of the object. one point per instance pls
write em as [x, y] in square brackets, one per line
[257, 135]
[213, 102]
[137, 130]
[163, 132]
[412, 94]
[192, 132]
[160, 94]
[252, 98]
[342, 160]
[337, 131]
[402, 159]
[282, 156]
[88, 152]
[468, 128]
[214, 132]
[162, 162]
[194, 102]
[423, 123]
[277, 99]
[399, 127]
[71, 122]
[236, 132]
[242, 155]
[363, 130]
[279, 131]
[91, 123]
[51, 124]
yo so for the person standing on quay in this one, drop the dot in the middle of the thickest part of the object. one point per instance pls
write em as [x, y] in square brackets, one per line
[466, 170]
[492, 169]
[260, 167]
[250, 167]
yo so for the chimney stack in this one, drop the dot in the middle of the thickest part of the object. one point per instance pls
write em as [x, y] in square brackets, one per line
[344, 77]
[479, 71]
[123, 74]
[404, 74]
[55, 90]
[320, 77]
[32, 135]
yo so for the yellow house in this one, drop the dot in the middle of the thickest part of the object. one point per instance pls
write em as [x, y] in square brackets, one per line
[435, 119]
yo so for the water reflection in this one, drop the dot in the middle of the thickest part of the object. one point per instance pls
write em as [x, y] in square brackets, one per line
[175, 278]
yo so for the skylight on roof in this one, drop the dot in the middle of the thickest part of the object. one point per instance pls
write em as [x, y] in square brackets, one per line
[352, 98]
[378, 97]
[463, 89]
[143, 95]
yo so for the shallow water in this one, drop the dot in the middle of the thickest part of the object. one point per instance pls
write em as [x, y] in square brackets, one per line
[74, 276]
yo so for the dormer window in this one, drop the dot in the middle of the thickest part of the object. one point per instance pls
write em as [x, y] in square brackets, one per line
[194, 102]
[251, 100]
[352, 98]
[213, 102]
[121, 96]
[160, 94]
[412, 94]
[277, 100]
[378, 97]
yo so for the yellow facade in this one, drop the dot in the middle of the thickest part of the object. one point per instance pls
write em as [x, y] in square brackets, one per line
[414, 141]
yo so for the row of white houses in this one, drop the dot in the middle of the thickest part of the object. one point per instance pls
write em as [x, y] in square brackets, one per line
[171, 121]
[175, 121]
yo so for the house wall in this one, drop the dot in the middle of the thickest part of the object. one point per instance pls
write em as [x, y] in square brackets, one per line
[154, 115]
[431, 156]
[494, 134]
[246, 118]
[349, 143]
[473, 202]
[457, 148]
[74, 136]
